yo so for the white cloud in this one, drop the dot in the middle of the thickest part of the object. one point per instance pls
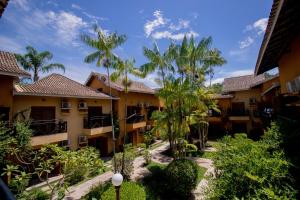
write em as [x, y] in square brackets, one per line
[22, 4]
[183, 24]
[67, 25]
[167, 29]
[246, 42]
[75, 6]
[195, 15]
[168, 35]
[258, 26]
[9, 44]
[93, 17]
[159, 21]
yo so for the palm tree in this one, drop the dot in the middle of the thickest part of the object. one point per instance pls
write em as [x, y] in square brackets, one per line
[104, 56]
[158, 61]
[122, 69]
[37, 62]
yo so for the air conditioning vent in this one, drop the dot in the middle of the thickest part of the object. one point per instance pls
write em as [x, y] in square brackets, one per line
[252, 101]
[82, 139]
[82, 106]
[146, 105]
[66, 105]
[148, 127]
[291, 86]
[140, 105]
[297, 80]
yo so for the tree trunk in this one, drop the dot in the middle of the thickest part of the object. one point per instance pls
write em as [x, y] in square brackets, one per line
[35, 75]
[112, 119]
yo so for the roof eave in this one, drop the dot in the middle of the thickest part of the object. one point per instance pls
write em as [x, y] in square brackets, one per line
[14, 74]
[59, 95]
[264, 45]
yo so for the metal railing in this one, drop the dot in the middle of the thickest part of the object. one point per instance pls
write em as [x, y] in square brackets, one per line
[96, 121]
[48, 127]
[213, 113]
[135, 119]
[238, 112]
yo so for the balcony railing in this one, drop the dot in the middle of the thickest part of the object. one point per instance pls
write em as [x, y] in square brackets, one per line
[135, 119]
[97, 121]
[240, 112]
[213, 113]
[48, 127]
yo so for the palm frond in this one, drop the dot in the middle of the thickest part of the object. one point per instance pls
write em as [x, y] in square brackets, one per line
[53, 66]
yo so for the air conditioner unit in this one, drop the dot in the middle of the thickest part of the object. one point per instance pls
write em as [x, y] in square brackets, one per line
[140, 105]
[146, 104]
[297, 80]
[66, 105]
[148, 127]
[252, 101]
[64, 143]
[82, 139]
[291, 86]
[82, 106]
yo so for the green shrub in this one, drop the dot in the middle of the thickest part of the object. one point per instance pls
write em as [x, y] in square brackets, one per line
[251, 170]
[97, 191]
[35, 194]
[128, 191]
[147, 156]
[181, 177]
[128, 163]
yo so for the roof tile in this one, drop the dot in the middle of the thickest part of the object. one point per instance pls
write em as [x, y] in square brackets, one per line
[9, 65]
[241, 82]
[60, 86]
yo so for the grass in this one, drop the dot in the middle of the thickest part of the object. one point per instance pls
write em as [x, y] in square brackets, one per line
[204, 154]
[201, 172]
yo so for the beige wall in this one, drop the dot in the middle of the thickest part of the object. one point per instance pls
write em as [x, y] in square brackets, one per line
[244, 96]
[74, 118]
[133, 99]
[289, 64]
[6, 90]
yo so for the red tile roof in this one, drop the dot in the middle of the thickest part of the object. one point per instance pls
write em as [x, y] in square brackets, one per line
[58, 86]
[9, 65]
[135, 86]
[241, 83]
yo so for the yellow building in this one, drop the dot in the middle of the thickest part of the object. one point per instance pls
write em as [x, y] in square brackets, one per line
[141, 102]
[66, 111]
[281, 48]
[9, 74]
[242, 103]
[61, 110]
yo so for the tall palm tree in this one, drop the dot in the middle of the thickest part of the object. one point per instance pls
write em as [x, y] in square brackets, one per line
[37, 62]
[122, 70]
[104, 44]
[158, 61]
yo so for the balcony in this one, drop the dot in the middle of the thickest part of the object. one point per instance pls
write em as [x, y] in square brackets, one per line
[96, 125]
[135, 122]
[48, 131]
[238, 114]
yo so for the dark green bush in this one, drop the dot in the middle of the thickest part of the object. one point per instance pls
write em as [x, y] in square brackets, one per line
[181, 177]
[252, 170]
[129, 191]
[97, 191]
[35, 194]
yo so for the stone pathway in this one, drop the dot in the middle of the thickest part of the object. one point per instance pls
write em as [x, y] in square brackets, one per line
[78, 191]
[139, 171]
[199, 192]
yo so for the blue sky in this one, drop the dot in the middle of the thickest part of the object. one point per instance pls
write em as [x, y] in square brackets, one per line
[237, 28]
